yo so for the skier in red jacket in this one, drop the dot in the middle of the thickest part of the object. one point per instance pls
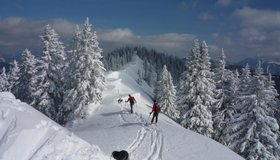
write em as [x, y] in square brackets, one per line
[156, 110]
[131, 100]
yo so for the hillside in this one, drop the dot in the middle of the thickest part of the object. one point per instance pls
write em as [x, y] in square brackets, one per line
[26, 134]
[112, 127]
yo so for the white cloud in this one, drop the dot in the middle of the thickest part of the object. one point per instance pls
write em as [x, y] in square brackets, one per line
[22, 32]
[276, 53]
[223, 2]
[253, 35]
[63, 27]
[168, 42]
[259, 26]
[116, 35]
[206, 16]
[18, 33]
[259, 18]
[259, 33]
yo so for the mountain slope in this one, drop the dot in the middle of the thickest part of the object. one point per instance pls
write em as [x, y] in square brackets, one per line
[113, 127]
[26, 134]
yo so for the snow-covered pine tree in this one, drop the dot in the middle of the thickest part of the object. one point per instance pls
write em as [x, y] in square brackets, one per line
[26, 86]
[85, 74]
[252, 132]
[226, 112]
[219, 77]
[50, 72]
[166, 97]
[4, 83]
[218, 114]
[13, 76]
[57, 65]
[270, 85]
[226, 86]
[186, 86]
[42, 100]
[233, 86]
[196, 96]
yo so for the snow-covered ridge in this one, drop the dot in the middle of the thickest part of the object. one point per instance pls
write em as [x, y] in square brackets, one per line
[115, 128]
[26, 134]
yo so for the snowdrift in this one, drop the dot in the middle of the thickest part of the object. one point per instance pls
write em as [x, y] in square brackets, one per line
[26, 134]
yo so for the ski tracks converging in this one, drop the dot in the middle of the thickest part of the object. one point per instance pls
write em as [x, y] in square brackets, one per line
[151, 133]
[156, 144]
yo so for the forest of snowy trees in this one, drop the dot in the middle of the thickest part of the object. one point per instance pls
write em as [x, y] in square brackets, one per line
[41, 81]
[153, 62]
[237, 109]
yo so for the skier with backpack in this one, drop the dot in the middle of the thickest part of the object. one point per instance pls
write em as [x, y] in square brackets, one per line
[132, 101]
[155, 110]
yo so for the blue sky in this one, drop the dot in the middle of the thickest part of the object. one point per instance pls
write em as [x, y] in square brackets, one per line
[244, 28]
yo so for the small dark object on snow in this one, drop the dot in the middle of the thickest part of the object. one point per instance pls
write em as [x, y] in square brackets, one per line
[122, 155]
[120, 100]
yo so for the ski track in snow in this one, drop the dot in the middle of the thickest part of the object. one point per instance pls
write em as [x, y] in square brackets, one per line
[155, 137]
[156, 143]
[7, 124]
[41, 145]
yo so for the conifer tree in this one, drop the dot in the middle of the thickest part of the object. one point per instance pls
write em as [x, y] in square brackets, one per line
[26, 87]
[187, 87]
[252, 131]
[196, 96]
[226, 87]
[4, 84]
[50, 72]
[274, 105]
[167, 94]
[86, 74]
[13, 76]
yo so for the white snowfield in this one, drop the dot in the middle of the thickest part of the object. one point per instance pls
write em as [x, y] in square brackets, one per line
[112, 126]
[26, 134]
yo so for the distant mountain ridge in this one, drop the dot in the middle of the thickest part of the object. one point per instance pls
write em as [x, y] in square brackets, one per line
[269, 64]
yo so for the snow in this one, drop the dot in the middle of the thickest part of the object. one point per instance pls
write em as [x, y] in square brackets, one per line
[27, 134]
[113, 128]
